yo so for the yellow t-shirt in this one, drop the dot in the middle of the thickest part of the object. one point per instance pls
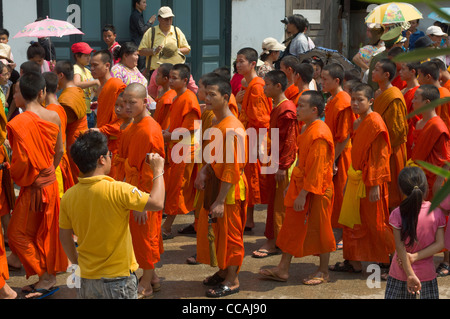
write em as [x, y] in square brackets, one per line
[85, 75]
[161, 39]
[97, 209]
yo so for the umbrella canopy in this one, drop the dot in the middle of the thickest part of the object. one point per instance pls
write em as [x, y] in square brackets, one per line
[393, 12]
[328, 56]
[435, 16]
[48, 28]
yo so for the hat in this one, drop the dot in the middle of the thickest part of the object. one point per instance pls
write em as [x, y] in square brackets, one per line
[165, 12]
[392, 37]
[285, 20]
[82, 47]
[171, 54]
[435, 30]
[423, 42]
[271, 44]
[5, 53]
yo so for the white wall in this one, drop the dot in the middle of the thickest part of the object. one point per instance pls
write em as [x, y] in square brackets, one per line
[255, 20]
[15, 17]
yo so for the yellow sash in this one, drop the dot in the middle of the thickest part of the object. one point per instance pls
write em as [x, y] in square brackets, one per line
[355, 190]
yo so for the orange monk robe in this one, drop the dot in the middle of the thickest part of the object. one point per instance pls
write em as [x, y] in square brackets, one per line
[107, 121]
[339, 117]
[392, 107]
[292, 93]
[184, 113]
[444, 110]
[7, 196]
[447, 85]
[118, 159]
[33, 231]
[73, 101]
[232, 104]
[162, 111]
[228, 230]
[409, 96]
[309, 232]
[284, 118]
[146, 138]
[255, 113]
[4, 272]
[64, 165]
[373, 239]
[432, 145]
[399, 83]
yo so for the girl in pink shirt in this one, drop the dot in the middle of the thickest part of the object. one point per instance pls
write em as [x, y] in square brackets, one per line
[419, 234]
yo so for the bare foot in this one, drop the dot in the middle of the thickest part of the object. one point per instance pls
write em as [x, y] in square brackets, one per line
[7, 293]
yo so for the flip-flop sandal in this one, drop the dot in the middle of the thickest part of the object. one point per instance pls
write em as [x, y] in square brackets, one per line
[265, 252]
[214, 280]
[221, 291]
[142, 296]
[319, 279]
[440, 270]
[271, 275]
[44, 292]
[344, 267]
[156, 287]
[167, 236]
[192, 260]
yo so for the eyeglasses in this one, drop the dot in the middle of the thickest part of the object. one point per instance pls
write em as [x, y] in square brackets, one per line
[109, 154]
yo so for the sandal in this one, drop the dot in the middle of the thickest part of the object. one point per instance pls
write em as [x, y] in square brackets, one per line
[443, 270]
[316, 279]
[214, 280]
[167, 236]
[344, 267]
[192, 260]
[221, 291]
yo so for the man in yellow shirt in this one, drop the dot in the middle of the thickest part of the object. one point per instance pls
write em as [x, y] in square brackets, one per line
[97, 211]
[156, 38]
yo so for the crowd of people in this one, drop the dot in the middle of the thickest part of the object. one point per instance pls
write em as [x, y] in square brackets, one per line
[104, 154]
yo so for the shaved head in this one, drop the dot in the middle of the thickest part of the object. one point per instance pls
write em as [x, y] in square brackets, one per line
[137, 89]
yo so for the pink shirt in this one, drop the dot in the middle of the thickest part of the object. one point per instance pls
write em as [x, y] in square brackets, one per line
[153, 87]
[445, 204]
[427, 227]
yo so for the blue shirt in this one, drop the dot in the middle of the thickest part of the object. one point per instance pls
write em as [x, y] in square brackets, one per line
[413, 38]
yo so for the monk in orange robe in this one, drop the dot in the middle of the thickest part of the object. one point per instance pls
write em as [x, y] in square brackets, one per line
[227, 207]
[428, 73]
[288, 65]
[165, 97]
[367, 235]
[232, 103]
[184, 115]
[444, 74]
[339, 118]
[284, 119]
[33, 232]
[408, 72]
[73, 101]
[63, 171]
[255, 114]
[431, 138]
[146, 138]
[390, 104]
[307, 226]
[118, 159]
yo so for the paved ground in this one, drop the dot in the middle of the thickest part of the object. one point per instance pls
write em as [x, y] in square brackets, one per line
[183, 281]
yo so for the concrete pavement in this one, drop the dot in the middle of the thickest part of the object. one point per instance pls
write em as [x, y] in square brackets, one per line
[183, 281]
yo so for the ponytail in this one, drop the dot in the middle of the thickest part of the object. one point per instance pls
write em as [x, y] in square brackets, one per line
[413, 184]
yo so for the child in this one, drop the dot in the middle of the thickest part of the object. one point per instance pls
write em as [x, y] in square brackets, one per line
[364, 213]
[109, 37]
[165, 96]
[419, 234]
[288, 65]
[36, 53]
[228, 207]
[306, 228]
[255, 113]
[83, 77]
[408, 73]
[144, 136]
[284, 119]
[390, 104]
[339, 118]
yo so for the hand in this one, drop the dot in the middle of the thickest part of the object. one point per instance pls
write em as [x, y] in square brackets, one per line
[152, 19]
[157, 50]
[374, 194]
[280, 175]
[200, 180]
[240, 96]
[299, 203]
[217, 210]
[156, 162]
[140, 217]
[412, 257]
[413, 284]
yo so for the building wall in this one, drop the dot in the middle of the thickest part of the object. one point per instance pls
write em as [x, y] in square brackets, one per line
[15, 17]
[255, 20]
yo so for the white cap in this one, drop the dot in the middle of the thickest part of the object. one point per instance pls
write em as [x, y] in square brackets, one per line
[435, 30]
[165, 12]
[271, 44]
